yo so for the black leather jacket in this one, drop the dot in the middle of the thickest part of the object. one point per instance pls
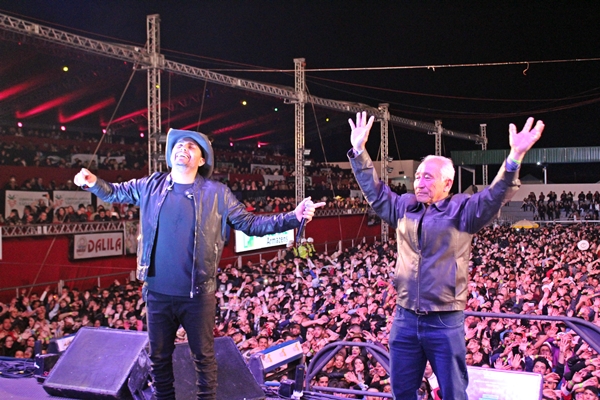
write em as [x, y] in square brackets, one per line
[215, 207]
[433, 275]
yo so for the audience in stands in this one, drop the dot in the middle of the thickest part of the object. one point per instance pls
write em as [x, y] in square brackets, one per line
[329, 180]
[348, 295]
[551, 207]
[58, 151]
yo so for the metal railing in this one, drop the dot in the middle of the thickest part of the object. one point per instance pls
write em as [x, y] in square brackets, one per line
[588, 332]
[65, 228]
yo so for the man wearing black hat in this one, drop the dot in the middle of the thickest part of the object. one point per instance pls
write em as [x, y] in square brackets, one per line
[183, 220]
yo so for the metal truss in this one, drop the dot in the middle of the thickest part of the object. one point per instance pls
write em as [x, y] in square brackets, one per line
[62, 229]
[142, 57]
[438, 137]
[155, 62]
[484, 168]
[155, 135]
[300, 90]
[384, 109]
[118, 51]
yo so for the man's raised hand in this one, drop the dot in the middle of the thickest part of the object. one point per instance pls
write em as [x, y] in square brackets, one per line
[522, 141]
[360, 131]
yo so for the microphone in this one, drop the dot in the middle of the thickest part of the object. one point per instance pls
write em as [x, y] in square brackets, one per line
[300, 230]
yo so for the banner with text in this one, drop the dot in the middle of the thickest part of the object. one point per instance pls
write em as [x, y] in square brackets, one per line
[19, 199]
[65, 198]
[244, 242]
[94, 245]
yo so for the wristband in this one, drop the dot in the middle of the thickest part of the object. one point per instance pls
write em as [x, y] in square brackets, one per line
[509, 158]
[512, 165]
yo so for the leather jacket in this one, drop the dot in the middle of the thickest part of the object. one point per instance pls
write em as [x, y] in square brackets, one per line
[432, 269]
[215, 207]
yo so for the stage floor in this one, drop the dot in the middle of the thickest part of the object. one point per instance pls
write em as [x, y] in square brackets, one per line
[30, 389]
[23, 389]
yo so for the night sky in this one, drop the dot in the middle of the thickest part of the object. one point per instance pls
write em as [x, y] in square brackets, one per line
[226, 35]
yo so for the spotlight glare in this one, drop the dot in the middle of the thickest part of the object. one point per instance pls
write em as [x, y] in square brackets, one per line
[276, 109]
[63, 128]
[142, 134]
[65, 69]
[20, 124]
[244, 102]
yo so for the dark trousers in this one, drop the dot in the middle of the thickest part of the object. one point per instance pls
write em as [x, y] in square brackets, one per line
[197, 316]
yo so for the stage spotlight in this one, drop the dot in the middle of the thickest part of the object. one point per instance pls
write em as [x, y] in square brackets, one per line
[244, 102]
[65, 69]
[20, 124]
[63, 128]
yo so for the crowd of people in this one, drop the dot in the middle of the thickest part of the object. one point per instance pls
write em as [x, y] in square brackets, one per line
[258, 194]
[552, 207]
[127, 155]
[45, 212]
[349, 294]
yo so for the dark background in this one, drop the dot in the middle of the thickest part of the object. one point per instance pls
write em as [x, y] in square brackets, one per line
[560, 84]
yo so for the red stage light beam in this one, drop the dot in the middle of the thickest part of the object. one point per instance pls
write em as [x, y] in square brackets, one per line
[22, 87]
[51, 104]
[254, 136]
[239, 125]
[63, 119]
[207, 120]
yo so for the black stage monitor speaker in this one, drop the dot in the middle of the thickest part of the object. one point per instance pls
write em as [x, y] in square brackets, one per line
[488, 383]
[97, 364]
[235, 380]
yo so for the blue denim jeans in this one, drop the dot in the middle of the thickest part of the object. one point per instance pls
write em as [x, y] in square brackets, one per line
[438, 337]
[197, 316]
